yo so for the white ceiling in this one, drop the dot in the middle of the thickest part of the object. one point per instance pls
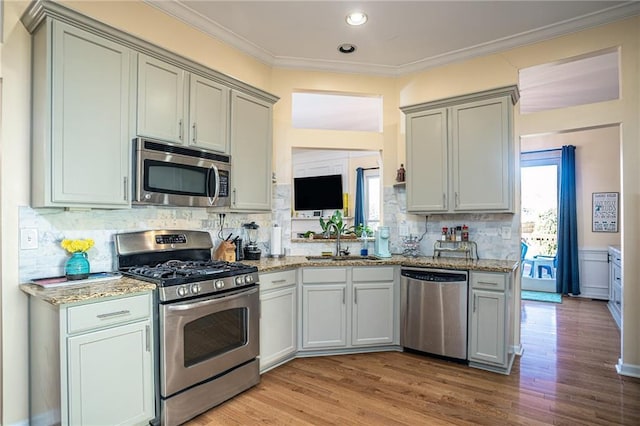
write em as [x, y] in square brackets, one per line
[400, 36]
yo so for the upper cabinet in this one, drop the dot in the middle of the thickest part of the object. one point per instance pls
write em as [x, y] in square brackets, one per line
[251, 152]
[95, 88]
[82, 92]
[180, 107]
[460, 155]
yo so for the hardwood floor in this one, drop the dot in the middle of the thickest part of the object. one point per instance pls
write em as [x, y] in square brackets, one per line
[566, 376]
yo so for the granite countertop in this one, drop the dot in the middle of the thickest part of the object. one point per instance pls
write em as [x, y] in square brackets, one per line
[87, 291]
[268, 264]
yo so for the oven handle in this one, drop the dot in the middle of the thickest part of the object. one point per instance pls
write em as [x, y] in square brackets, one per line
[183, 306]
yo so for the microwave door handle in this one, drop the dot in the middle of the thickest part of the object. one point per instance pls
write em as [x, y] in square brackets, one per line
[217, 189]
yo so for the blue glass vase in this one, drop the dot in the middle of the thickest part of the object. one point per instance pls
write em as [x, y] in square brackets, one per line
[77, 266]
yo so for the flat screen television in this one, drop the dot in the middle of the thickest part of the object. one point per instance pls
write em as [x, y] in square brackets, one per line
[317, 192]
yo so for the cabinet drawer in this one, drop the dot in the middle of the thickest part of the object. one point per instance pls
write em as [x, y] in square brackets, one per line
[273, 280]
[107, 313]
[373, 273]
[488, 280]
[324, 275]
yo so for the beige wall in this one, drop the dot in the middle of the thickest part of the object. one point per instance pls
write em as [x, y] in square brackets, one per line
[478, 74]
[597, 170]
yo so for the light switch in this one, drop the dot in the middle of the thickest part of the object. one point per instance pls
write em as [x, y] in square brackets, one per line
[506, 233]
[28, 239]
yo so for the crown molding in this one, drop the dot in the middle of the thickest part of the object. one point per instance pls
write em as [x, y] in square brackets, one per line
[202, 23]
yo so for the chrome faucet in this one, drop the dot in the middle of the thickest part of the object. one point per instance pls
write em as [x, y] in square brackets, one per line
[338, 250]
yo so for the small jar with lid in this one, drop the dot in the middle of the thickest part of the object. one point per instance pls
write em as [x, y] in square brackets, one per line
[445, 231]
[465, 233]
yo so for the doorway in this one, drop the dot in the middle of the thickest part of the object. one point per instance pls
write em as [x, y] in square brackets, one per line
[540, 177]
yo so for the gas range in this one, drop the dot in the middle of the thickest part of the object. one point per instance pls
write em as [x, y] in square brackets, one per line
[180, 264]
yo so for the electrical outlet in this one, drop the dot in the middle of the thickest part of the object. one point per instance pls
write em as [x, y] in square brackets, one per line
[28, 239]
[506, 233]
[403, 230]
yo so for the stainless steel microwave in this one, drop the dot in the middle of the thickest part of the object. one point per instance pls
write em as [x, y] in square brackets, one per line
[173, 175]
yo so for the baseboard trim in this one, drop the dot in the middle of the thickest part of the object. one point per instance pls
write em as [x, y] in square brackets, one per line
[628, 369]
[518, 350]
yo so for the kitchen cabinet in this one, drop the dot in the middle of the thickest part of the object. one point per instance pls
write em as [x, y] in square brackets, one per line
[346, 308]
[615, 285]
[278, 318]
[374, 306]
[460, 155]
[92, 363]
[181, 107]
[489, 316]
[324, 308]
[82, 92]
[251, 152]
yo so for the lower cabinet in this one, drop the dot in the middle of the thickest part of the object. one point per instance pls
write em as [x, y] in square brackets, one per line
[278, 318]
[489, 313]
[92, 364]
[348, 307]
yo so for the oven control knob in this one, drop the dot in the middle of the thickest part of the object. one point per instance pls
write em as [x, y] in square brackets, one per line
[219, 284]
[239, 280]
[248, 279]
[183, 291]
[195, 288]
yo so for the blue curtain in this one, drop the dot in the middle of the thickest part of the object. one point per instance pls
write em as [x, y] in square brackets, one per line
[359, 213]
[567, 276]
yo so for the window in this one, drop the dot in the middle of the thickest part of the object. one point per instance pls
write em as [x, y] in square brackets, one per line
[330, 111]
[372, 197]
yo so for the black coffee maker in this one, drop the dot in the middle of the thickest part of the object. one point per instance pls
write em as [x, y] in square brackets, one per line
[251, 250]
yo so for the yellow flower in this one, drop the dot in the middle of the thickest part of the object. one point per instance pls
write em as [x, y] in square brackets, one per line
[77, 246]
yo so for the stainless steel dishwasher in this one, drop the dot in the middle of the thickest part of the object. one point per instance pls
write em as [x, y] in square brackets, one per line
[433, 308]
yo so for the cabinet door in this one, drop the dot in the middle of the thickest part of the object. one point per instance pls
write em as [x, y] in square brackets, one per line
[208, 114]
[481, 156]
[251, 151]
[161, 105]
[90, 120]
[373, 314]
[111, 376]
[278, 329]
[487, 328]
[427, 159]
[324, 316]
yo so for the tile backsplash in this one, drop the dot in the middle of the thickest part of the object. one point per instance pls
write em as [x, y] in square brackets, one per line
[53, 225]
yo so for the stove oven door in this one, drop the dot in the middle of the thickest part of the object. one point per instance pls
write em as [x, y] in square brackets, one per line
[203, 338]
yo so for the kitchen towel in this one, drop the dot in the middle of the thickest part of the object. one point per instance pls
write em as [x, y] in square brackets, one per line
[276, 241]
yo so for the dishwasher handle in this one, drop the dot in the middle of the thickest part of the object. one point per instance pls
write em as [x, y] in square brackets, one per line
[439, 275]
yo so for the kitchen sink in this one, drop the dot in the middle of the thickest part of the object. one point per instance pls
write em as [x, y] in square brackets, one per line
[342, 258]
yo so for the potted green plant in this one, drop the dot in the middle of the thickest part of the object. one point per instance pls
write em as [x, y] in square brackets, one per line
[335, 219]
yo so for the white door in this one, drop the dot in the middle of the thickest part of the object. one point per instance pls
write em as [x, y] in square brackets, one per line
[481, 155]
[208, 114]
[161, 104]
[90, 134]
[111, 376]
[427, 161]
[251, 152]
[372, 314]
[487, 333]
[278, 325]
[324, 315]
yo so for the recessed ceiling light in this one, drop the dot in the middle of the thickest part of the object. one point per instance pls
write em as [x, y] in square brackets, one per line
[356, 18]
[347, 48]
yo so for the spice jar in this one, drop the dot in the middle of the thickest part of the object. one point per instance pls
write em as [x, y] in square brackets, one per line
[465, 233]
[445, 230]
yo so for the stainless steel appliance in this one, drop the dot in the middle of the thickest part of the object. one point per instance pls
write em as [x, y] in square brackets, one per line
[433, 306]
[166, 174]
[207, 325]
[251, 250]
